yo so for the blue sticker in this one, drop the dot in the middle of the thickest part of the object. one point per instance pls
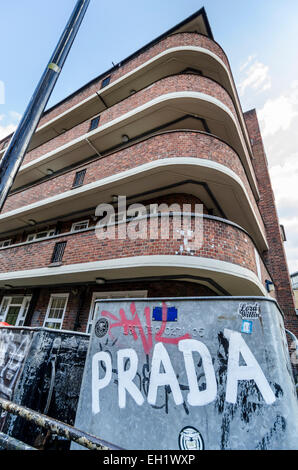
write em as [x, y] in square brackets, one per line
[246, 326]
[172, 314]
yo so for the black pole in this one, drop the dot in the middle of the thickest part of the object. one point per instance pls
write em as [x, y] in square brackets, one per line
[14, 155]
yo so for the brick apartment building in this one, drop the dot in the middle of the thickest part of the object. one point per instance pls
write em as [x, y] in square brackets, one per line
[165, 125]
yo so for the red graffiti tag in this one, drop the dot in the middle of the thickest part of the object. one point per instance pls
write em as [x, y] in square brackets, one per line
[134, 323]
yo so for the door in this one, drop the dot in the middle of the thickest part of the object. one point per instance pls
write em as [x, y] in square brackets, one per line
[14, 309]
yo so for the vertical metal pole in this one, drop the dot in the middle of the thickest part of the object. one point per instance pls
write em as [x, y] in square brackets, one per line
[14, 155]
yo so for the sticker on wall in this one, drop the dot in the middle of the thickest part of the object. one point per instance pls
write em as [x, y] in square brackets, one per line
[190, 439]
[172, 314]
[249, 311]
[101, 327]
[246, 326]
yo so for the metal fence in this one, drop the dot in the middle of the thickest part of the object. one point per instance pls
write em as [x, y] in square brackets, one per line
[52, 426]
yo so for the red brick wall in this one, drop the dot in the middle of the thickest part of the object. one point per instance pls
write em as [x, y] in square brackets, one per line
[221, 241]
[176, 40]
[166, 145]
[65, 226]
[275, 257]
[166, 85]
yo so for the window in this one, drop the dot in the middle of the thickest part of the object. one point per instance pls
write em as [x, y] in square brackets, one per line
[79, 178]
[112, 295]
[5, 243]
[50, 233]
[105, 81]
[80, 225]
[56, 310]
[94, 123]
[39, 235]
[191, 70]
[58, 252]
[13, 310]
[283, 233]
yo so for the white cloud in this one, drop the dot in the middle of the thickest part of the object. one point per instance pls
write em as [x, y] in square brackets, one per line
[247, 62]
[284, 177]
[278, 113]
[256, 76]
[278, 119]
[291, 245]
[8, 123]
[6, 130]
[15, 116]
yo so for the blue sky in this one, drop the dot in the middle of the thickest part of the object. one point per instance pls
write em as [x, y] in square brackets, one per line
[260, 38]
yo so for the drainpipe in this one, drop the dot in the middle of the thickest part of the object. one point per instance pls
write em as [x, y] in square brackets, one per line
[15, 152]
[82, 297]
[32, 307]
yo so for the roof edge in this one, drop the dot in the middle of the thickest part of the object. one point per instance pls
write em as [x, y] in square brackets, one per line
[199, 12]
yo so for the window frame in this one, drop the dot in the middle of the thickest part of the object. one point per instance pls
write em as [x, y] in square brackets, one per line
[83, 172]
[192, 70]
[4, 241]
[50, 233]
[48, 319]
[126, 294]
[106, 79]
[53, 261]
[94, 120]
[78, 223]
[24, 306]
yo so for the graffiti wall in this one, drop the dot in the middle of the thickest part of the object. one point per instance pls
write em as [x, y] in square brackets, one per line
[14, 347]
[189, 374]
[41, 369]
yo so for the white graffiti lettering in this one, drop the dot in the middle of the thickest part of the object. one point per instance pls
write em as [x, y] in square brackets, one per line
[251, 371]
[125, 377]
[163, 374]
[97, 383]
[157, 379]
[195, 396]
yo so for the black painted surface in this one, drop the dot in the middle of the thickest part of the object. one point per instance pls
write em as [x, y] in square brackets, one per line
[49, 377]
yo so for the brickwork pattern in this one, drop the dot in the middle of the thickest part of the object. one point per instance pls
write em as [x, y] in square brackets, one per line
[175, 40]
[172, 84]
[166, 145]
[221, 241]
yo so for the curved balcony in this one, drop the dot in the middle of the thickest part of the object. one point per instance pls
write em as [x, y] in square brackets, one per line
[224, 253]
[170, 56]
[139, 65]
[173, 84]
[189, 161]
[181, 101]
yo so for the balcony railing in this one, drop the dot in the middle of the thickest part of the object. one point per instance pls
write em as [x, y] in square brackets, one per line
[213, 156]
[214, 239]
[173, 84]
[169, 56]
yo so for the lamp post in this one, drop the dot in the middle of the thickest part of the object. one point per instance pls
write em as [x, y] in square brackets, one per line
[14, 155]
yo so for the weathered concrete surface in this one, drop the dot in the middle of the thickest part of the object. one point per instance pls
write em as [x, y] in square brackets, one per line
[194, 382]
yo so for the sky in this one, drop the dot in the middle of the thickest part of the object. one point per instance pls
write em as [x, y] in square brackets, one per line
[260, 38]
